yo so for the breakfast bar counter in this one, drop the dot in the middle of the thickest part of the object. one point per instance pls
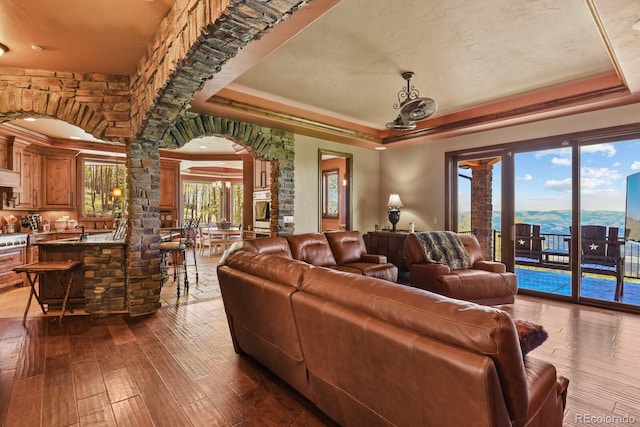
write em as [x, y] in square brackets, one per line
[103, 270]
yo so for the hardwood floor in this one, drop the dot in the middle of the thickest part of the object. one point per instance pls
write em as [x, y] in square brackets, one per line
[178, 367]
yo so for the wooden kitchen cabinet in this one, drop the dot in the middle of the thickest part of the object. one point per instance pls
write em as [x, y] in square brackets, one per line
[33, 250]
[59, 181]
[30, 173]
[261, 174]
[9, 259]
[169, 184]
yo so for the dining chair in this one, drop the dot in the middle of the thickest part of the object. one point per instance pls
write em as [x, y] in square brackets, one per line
[211, 240]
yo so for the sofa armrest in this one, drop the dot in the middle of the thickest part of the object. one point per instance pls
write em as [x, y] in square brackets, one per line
[492, 266]
[424, 276]
[374, 259]
[547, 393]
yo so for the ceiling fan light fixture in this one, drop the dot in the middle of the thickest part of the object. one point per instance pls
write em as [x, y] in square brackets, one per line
[412, 107]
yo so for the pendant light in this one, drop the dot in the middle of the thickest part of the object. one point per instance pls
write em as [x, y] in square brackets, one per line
[117, 191]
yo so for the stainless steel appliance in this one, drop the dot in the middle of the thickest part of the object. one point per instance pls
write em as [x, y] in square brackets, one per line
[262, 212]
[13, 240]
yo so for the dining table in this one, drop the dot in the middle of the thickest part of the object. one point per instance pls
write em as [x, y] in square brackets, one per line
[213, 236]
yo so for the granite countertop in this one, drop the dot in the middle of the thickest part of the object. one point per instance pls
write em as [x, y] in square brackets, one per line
[92, 239]
[69, 232]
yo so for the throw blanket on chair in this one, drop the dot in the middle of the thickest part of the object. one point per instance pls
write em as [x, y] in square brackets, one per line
[444, 247]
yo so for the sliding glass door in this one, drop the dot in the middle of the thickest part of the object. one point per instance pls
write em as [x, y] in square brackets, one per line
[543, 198]
[605, 251]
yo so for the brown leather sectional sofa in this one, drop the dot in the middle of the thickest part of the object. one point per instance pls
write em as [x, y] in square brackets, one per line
[369, 352]
[339, 250]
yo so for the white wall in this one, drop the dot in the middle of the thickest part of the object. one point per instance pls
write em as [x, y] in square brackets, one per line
[365, 186]
[417, 172]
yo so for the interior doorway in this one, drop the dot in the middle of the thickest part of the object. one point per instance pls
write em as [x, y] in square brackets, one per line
[334, 190]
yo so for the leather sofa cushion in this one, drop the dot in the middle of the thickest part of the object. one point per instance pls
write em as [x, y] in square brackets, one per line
[270, 245]
[481, 329]
[312, 248]
[384, 271]
[347, 246]
[476, 284]
[277, 269]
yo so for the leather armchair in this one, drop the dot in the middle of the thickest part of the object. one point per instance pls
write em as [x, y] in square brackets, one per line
[486, 282]
[349, 250]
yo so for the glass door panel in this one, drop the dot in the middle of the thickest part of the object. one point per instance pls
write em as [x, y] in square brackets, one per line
[542, 220]
[605, 172]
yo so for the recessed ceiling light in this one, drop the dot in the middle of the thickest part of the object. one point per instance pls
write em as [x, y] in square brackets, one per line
[380, 148]
[37, 48]
[30, 119]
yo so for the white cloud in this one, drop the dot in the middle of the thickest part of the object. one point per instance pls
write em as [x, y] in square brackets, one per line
[595, 177]
[526, 177]
[563, 185]
[561, 161]
[607, 149]
[559, 152]
[635, 166]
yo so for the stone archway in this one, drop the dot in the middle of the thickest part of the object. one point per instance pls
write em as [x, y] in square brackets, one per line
[264, 143]
[97, 103]
[192, 44]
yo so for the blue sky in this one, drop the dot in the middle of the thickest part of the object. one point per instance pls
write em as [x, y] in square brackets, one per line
[543, 178]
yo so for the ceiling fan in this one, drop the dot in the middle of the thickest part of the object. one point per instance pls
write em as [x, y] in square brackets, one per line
[412, 107]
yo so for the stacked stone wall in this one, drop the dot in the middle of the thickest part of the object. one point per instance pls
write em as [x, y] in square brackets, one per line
[104, 267]
[98, 103]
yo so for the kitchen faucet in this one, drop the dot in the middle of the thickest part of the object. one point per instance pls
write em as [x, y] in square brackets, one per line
[83, 234]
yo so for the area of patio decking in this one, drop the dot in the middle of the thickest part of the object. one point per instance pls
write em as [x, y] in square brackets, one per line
[558, 282]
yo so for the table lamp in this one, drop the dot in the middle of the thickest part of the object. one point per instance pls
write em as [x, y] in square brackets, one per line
[394, 204]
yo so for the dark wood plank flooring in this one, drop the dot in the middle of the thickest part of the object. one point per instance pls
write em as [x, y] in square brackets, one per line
[178, 368]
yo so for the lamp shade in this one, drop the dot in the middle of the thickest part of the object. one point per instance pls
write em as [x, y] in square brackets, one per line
[394, 201]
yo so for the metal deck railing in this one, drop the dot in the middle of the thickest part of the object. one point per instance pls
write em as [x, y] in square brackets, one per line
[559, 243]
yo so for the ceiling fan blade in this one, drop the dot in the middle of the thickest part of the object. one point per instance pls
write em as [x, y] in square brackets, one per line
[418, 109]
[400, 124]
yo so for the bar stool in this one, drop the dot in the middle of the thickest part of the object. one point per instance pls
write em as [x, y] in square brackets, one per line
[190, 229]
[176, 251]
[173, 251]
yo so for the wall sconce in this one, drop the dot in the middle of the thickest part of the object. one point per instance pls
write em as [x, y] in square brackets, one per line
[3, 49]
[394, 204]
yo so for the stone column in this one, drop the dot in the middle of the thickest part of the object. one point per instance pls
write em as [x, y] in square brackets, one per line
[143, 233]
[481, 205]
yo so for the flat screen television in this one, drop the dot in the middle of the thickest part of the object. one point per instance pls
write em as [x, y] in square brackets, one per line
[632, 215]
